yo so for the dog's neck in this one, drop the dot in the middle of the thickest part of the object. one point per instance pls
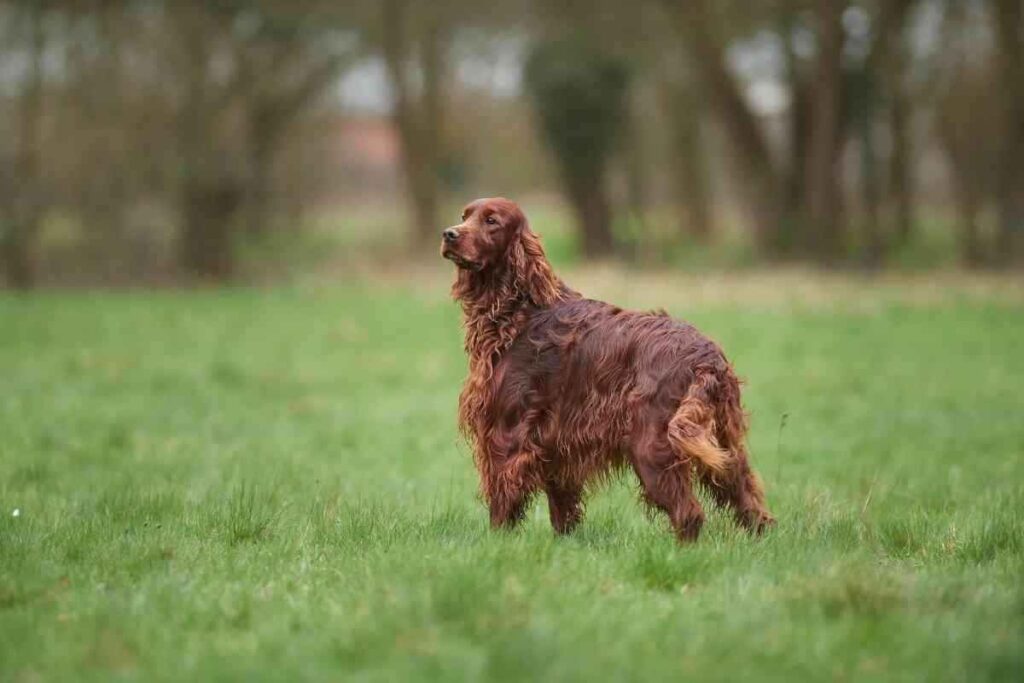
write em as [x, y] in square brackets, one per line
[494, 311]
[496, 305]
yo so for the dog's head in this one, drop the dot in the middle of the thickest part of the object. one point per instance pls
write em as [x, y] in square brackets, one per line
[482, 240]
[494, 243]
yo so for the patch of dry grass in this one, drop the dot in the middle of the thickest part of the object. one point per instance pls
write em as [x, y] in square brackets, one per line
[788, 288]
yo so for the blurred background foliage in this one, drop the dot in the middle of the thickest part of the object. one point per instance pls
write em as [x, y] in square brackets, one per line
[150, 141]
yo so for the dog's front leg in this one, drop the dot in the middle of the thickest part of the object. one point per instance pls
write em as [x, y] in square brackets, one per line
[508, 486]
[565, 505]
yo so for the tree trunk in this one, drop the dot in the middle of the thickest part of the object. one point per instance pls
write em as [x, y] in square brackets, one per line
[799, 135]
[1010, 69]
[689, 161]
[957, 135]
[632, 156]
[874, 239]
[209, 210]
[590, 203]
[821, 179]
[18, 266]
[24, 205]
[271, 108]
[891, 66]
[267, 125]
[967, 212]
[258, 204]
[432, 49]
[418, 120]
[877, 95]
[759, 181]
[422, 182]
[900, 190]
[209, 190]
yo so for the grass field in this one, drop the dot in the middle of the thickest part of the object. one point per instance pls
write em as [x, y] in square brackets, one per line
[268, 484]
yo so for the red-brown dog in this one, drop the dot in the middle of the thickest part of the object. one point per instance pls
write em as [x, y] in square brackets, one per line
[562, 389]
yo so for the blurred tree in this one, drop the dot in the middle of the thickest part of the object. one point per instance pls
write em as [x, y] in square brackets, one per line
[580, 95]
[21, 194]
[125, 124]
[759, 178]
[292, 55]
[415, 39]
[878, 104]
[968, 101]
[635, 166]
[1008, 16]
[794, 195]
[889, 63]
[250, 66]
[821, 219]
[965, 107]
[688, 134]
[111, 118]
[209, 81]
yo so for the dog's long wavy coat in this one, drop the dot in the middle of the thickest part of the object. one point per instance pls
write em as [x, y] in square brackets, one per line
[562, 389]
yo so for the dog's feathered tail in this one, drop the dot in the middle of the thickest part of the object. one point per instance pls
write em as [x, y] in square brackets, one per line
[692, 429]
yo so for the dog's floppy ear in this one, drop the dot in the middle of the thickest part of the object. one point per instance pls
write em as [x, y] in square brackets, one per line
[530, 268]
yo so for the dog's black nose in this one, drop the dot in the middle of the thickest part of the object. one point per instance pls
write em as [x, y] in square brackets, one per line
[450, 235]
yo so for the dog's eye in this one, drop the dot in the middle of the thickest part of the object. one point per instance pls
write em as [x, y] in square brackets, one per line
[491, 220]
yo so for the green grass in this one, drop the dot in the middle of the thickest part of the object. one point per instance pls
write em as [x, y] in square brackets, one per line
[269, 484]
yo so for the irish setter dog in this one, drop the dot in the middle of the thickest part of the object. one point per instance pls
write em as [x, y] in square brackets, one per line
[563, 390]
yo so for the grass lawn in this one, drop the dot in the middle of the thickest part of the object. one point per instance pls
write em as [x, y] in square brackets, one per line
[269, 484]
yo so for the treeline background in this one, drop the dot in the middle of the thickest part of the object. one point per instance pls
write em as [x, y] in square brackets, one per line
[181, 141]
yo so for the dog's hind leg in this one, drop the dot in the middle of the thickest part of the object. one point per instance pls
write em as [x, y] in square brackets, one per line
[666, 480]
[739, 490]
[710, 426]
